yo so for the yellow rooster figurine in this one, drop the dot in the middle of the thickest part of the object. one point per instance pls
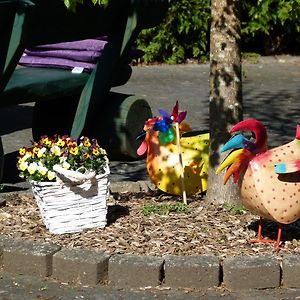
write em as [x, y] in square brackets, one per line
[167, 163]
[269, 180]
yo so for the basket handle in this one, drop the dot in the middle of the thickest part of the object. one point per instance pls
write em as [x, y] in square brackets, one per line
[74, 177]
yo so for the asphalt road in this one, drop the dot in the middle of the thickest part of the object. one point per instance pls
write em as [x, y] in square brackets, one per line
[271, 93]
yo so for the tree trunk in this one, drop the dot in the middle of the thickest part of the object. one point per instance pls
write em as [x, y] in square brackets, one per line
[225, 103]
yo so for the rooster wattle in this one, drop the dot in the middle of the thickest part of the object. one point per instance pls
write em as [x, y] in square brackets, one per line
[269, 180]
[163, 161]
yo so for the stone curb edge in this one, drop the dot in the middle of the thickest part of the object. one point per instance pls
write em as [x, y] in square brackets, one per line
[131, 187]
[88, 267]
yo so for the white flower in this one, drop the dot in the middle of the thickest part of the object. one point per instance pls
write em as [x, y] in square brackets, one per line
[42, 169]
[66, 165]
[62, 159]
[41, 152]
[56, 150]
[25, 157]
[51, 175]
[32, 168]
[23, 165]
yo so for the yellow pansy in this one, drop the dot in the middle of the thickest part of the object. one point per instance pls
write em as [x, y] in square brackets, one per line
[74, 150]
[35, 150]
[96, 151]
[60, 142]
[86, 142]
[86, 156]
[22, 151]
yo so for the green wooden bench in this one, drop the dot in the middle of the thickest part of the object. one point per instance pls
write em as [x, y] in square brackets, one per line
[80, 104]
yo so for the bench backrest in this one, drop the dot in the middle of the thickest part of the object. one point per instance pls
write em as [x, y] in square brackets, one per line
[27, 23]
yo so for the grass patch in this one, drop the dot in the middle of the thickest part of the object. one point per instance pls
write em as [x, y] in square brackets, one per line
[164, 209]
[236, 209]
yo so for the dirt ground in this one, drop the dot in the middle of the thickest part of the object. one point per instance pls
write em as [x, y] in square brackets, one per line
[144, 224]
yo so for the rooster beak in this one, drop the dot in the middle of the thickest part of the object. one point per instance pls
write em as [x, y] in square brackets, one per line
[141, 135]
[238, 141]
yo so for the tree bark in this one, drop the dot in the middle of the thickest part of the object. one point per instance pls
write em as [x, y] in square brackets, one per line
[225, 83]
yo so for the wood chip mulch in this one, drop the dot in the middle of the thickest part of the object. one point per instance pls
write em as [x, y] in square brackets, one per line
[206, 229]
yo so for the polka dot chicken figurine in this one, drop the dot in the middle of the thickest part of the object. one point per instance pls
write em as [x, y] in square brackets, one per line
[269, 180]
[177, 159]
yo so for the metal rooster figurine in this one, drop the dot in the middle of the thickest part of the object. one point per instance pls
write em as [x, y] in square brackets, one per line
[173, 166]
[269, 180]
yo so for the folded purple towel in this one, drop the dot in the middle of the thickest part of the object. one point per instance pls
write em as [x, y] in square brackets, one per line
[77, 55]
[88, 44]
[67, 55]
[54, 62]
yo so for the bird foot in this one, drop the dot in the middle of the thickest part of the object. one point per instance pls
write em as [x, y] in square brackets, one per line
[261, 240]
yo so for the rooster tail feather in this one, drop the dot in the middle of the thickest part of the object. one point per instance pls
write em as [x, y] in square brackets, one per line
[236, 161]
[233, 156]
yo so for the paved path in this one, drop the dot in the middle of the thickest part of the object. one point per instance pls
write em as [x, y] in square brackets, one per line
[271, 93]
[31, 288]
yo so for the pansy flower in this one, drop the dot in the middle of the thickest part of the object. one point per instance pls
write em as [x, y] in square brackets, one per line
[36, 163]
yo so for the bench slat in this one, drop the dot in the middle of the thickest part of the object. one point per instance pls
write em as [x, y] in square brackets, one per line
[35, 84]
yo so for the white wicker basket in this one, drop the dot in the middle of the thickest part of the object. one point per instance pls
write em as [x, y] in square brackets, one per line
[67, 206]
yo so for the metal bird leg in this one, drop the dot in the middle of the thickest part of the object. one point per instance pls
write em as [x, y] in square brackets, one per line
[278, 237]
[260, 239]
